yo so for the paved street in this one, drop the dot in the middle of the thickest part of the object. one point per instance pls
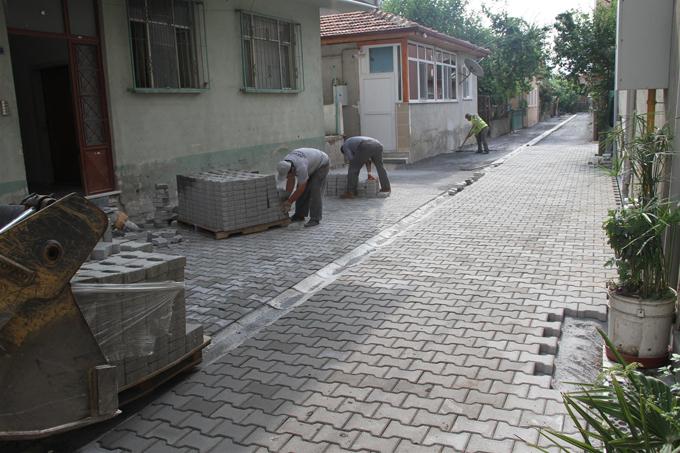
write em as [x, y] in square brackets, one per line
[442, 340]
[228, 279]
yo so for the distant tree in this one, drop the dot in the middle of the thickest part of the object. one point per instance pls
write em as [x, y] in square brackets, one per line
[558, 90]
[584, 50]
[518, 53]
[447, 16]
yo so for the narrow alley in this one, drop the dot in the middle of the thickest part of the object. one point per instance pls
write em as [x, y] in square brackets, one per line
[443, 339]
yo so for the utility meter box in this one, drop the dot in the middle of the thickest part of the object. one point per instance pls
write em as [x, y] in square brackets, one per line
[340, 94]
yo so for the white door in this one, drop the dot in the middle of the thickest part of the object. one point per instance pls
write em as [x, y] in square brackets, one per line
[378, 93]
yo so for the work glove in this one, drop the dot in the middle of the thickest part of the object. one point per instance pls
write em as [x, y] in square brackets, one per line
[285, 206]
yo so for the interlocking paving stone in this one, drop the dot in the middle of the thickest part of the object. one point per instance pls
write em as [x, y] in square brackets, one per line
[431, 341]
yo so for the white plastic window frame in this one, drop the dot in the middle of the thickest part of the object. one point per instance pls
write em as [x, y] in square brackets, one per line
[435, 52]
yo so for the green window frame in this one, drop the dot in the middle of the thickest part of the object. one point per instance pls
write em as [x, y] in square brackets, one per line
[271, 54]
[168, 46]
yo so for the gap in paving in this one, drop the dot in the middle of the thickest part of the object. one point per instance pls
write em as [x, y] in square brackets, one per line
[579, 353]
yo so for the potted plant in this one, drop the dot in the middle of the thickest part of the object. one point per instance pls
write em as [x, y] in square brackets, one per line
[641, 304]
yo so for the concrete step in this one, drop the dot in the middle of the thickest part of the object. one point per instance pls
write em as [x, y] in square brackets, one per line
[395, 160]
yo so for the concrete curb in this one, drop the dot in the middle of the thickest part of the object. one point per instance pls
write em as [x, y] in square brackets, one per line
[273, 309]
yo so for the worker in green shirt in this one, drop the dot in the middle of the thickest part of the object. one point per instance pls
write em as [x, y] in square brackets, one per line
[480, 130]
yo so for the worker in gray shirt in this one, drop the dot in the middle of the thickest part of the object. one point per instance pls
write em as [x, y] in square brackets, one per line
[359, 151]
[305, 170]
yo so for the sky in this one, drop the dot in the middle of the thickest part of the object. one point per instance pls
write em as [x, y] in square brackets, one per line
[540, 12]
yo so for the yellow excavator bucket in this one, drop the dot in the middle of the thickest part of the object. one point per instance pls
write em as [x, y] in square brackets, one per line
[53, 375]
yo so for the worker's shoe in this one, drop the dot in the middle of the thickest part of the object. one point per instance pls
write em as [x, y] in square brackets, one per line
[312, 223]
[347, 196]
[296, 219]
[486, 152]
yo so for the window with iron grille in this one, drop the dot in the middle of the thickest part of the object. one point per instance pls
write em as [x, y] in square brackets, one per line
[272, 57]
[167, 40]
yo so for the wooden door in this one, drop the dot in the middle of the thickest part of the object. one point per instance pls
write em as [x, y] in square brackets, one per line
[91, 118]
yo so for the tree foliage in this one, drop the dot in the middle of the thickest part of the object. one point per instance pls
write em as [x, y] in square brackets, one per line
[561, 91]
[517, 48]
[584, 51]
[447, 16]
[518, 53]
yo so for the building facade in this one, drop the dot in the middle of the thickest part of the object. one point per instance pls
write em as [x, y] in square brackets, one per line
[402, 83]
[120, 95]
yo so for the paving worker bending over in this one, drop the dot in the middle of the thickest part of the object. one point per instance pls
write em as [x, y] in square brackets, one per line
[361, 151]
[480, 130]
[307, 168]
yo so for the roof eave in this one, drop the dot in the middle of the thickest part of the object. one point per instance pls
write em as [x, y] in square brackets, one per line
[460, 44]
[365, 36]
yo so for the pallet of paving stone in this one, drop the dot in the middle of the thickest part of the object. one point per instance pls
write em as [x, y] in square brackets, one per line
[140, 328]
[192, 358]
[240, 231]
[228, 201]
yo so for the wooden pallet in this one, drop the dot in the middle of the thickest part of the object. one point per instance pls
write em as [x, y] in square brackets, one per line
[131, 392]
[246, 230]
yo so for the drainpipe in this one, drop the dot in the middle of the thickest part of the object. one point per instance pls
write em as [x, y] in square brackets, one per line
[651, 109]
[629, 135]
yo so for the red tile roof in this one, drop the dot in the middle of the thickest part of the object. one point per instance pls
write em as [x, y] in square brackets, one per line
[376, 21]
[363, 22]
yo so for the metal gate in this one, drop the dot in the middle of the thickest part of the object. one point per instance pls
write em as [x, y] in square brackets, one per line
[517, 121]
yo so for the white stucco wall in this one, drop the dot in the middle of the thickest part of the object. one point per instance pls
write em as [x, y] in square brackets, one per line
[340, 61]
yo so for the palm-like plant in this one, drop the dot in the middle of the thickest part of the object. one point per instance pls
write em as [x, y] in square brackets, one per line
[636, 231]
[623, 411]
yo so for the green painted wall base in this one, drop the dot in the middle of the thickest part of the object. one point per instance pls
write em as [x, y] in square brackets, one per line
[137, 181]
[12, 191]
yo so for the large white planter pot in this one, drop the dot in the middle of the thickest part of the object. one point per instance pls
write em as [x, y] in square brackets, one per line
[640, 329]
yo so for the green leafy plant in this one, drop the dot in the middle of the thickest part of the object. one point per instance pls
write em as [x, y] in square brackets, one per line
[622, 411]
[636, 231]
[584, 51]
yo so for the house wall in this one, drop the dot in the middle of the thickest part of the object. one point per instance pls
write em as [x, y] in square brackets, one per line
[439, 127]
[673, 112]
[156, 136]
[340, 62]
[12, 172]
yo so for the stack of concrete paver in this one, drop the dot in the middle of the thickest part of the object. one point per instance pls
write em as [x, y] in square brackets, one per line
[163, 212]
[337, 185]
[226, 200]
[134, 304]
[132, 267]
